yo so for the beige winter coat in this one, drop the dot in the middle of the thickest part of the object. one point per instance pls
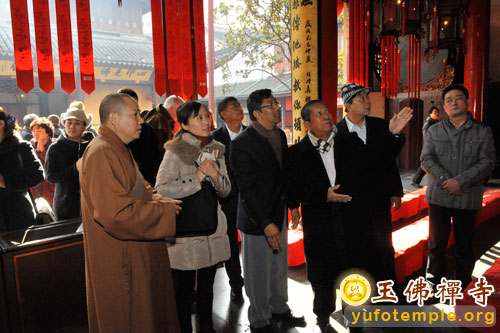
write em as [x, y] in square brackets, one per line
[177, 179]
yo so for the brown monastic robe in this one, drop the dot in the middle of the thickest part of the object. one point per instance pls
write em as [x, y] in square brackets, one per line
[129, 283]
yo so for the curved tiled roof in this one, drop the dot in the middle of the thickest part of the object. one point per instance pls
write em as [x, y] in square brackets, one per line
[109, 47]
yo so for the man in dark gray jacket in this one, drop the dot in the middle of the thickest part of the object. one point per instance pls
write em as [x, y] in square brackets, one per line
[459, 155]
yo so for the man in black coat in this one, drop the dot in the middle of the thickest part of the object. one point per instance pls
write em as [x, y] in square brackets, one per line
[231, 112]
[257, 161]
[365, 150]
[145, 149]
[311, 182]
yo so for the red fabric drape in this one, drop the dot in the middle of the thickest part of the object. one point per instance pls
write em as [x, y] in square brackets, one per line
[199, 38]
[65, 45]
[158, 47]
[22, 45]
[87, 77]
[367, 42]
[361, 42]
[410, 41]
[355, 41]
[44, 61]
[382, 59]
[186, 49]
[418, 67]
[174, 60]
[351, 40]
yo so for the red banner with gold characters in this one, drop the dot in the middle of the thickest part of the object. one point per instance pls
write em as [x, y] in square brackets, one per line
[65, 45]
[158, 47]
[22, 45]
[186, 48]
[44, 61]
[174, 60]
[304, 44]
[199, 39]
[87, 77]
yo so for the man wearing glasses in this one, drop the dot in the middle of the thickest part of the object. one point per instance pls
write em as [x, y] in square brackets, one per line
[231, 112]
[257, 161]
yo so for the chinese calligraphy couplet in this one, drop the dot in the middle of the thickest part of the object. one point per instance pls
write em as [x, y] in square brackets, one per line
[65, 45]
[22, 45]
[87, 77]
[43, 45]
[304, 42]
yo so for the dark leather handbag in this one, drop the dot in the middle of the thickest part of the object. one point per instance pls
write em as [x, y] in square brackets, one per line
[198, 216]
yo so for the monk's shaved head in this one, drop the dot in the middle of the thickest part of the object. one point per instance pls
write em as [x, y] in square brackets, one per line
[113, 103]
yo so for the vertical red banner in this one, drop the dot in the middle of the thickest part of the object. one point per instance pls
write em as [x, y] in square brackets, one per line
[174, 60]
[419, 54]
[355, 41]
[87, 76]
[158, 47]
[199, 38]
[65, 45]
[360, 41]
[398, 66]
[22, 45]
[367, 42]
[351, 41]
[44, 61]
[410, 39]
[382, 60]
[186, 50]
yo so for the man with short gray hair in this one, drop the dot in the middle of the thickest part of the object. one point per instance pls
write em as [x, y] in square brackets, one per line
[163, 120]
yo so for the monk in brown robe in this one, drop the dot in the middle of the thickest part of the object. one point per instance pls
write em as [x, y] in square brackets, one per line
[129, 283]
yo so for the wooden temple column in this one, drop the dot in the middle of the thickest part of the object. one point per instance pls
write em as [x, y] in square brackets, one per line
[476, 42]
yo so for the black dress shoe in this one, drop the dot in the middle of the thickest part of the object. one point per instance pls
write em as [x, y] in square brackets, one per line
[416, 185]
[287, 319]
[236, 295]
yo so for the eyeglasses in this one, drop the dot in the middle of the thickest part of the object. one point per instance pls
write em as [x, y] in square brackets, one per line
[271, 105]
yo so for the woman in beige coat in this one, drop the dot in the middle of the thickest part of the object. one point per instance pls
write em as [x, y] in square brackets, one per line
[191, 158]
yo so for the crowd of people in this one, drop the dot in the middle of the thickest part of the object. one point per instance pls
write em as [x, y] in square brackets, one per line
[162, 196]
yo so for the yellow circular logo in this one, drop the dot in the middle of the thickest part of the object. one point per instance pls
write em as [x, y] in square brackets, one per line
[355, 289]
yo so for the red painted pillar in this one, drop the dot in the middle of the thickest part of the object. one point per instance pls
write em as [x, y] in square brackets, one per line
[327, 30]
[476, 42]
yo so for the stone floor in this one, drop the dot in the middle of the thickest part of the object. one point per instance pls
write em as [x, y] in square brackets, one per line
[232, 318]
